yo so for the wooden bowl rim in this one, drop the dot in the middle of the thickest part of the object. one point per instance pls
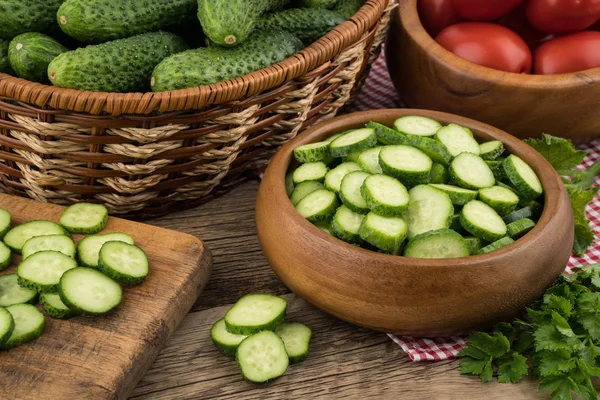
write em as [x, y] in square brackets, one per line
[407, 13]
[280, 163]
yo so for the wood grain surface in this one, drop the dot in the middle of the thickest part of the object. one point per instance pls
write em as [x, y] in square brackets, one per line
[345, 362]
[103, 357]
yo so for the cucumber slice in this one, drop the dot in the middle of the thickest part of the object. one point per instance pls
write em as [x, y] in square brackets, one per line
[385, 233]
[332, 138]
[519, 228]
[409, 165]
[89, 291]
[304, 189]
[296, 339]
[262, 357]
[385, 195]
[458, 139]
[226, 342]
[346, 224]
[89, 247]
[482, 221]
[333, 179]
[497, 168]
[458, 195]
[312, 152]
[314, 171]
[17, 236]
[254, 313]
[434, 149]
[525, 212]
[496, 245]
[29, 325]
[60, 243]
[325, 226]
[289, 183]
[42, 271]
[7, 325]
[125, 263]
[84, 218]
[369, 161]
[471, 172]
[491, 150]
[523, 178]
[506, 186]
[352, 157]
[443, 243]
[439, 174]
[5, 221]
[55, 307]
[474, 244]
[429, 209]
[12, 293]
[353, 142]
[455, 225]
[536, 208]
[350, 192]
[387, 135]
[503, 200]
[5, 256]
[417, 125]
[320, 205]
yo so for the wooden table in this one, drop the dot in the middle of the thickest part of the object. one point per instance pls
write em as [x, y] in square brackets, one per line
[344, 362]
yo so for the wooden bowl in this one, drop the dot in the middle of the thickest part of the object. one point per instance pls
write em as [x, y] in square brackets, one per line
[408, 296]
[428, 76]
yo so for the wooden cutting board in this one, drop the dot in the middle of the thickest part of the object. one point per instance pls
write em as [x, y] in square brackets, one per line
[104, 357]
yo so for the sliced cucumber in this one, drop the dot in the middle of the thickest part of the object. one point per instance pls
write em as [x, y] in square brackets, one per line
[496, 245]
[296, 339]
[458, 139]
[320, 205]
[497, 168]
[84, 218]
[350, 192]
[525, 212]
[442, 243]
[17, 236]
[458, 195]
[471, 172]
[491, 150]
[353, 142]
[42, 271]
[482, 221]
[55, 307]
[125, 263]
[369, 161]
[352, 157]
[519, 228]
[417, 125]
[333, 179]
[254, 313]
[60, 243]
[314, 171]
[5, 220]
[439, 174]
[304, 189]
[506, 186]
[474, 244]
[409, 165]
[503, 200]
[434, 149]
[289, 183]
[89, 291]
[523, 178]
[5, 256]
[312, 152]
[387, 135]
[89, 247]
[536, 208]
[455, 225]
[7, 325]
[325, 226]
[346, 224]
[29, 325]
[262, 357]
[12, 293]
[385, 233]
[385, 195]
[333, 137]
[226, 342]
[429, 209]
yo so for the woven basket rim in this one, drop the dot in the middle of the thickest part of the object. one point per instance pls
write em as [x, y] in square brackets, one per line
[197, 98]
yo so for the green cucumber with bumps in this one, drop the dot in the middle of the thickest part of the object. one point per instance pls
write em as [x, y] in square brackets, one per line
[307, 24]
[347, 8]
[442, 243]
[474, 244]
[12, 293]
[385, 233]
[316, 3]
[520, 228]
[29, 325]
[312, 152]
[31, 53]
[388, 135]
[354, 141]
[21, 16]
[482, 221]
[320, 205]
[439, 174]
[226, 342]
[55, 307]
[498, 244]
[4, 61]
[385, 195]
[254, 313]
[346, 224]
[304, 189]
[333, 179]
[458, 195]
[42, 271]
[522, 177]
[7, 325]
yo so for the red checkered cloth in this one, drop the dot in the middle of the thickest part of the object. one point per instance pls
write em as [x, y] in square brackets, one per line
[378, 92]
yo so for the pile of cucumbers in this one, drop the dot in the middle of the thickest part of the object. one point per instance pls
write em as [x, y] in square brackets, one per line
[418, 189]
[141, 45]
[68, 280]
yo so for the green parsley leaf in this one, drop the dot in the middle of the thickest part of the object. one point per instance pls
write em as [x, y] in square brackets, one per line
[473, 352]
[487, 373]
[495, 346]
[588, 313]
[524, 342]
[511, 368]
[562, 325]
[561, 304]
[547, 337]
[558, 151]
[470, 365]
[584, 235]
[553, 363]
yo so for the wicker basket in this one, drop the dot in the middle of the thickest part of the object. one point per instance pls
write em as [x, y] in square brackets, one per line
[146, 154]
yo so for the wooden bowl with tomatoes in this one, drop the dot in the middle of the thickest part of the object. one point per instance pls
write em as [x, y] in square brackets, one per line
[550, 87]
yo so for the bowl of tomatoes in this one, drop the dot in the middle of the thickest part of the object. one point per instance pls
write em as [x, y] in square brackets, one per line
[525, 66]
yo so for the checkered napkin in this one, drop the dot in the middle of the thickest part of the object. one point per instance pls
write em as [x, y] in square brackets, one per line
[378, 92]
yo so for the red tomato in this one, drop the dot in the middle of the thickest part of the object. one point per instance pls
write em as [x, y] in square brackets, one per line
[485, 10]
[596, 26]
[569, 53]
[517, 22]
[487, 44]
[563, 16]
[435, 15]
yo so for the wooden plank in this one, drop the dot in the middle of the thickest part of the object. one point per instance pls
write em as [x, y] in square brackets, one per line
[104, 357]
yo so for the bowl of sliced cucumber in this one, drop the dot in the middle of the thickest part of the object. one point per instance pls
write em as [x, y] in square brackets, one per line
[414, 222]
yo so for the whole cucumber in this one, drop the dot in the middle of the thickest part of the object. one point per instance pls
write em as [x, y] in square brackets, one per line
[307, 24]
[209, 65]
[20, 16]
[4, 63]
[31, 53]
[122, 65]
[317, 3]
[347, 8]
